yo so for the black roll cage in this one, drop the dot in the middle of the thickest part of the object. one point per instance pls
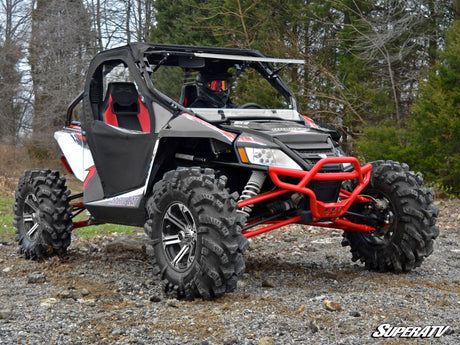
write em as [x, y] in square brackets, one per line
[145, 58]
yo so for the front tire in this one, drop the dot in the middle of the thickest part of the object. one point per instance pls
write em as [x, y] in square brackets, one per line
[403, 218]
[196, 234]
[42, 214]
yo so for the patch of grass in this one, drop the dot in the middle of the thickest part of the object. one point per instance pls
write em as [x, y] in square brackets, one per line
[104, 230]
[7, 230]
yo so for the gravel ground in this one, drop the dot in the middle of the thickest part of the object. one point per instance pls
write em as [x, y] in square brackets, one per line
[104, 292]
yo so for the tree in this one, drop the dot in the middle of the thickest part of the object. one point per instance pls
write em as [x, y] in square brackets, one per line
[180, 22]
[14, 102]
[434, 123]
[60, 47]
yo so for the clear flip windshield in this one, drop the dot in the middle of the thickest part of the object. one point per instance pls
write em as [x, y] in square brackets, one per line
[214, 114]
[253, 86]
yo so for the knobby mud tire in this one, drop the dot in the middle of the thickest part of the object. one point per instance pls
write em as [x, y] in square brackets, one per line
[218, 259]
[42, 204]
[413, 227]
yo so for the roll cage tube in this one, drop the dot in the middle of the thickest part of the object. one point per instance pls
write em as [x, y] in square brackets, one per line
[71, 108]
[319, 214]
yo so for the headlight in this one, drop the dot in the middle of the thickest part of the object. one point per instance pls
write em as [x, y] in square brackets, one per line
[269, 157]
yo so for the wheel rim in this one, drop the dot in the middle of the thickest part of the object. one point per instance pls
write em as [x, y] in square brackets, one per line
[31, 217]
[179, 236]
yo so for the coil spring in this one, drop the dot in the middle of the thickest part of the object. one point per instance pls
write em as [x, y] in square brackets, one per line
[251, 190]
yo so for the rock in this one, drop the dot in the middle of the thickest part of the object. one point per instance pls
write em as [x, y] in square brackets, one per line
[65, 294]
[318, 298]
[173, 303]
[155, 299]
[268, 283]
[89, 302]
[84, 292]
[266, 341]
[117, 332]
[6, 269]
[37, 278]
[48, 303]
[355, 314]
[312, 326]
[5, 314]
[332, 305]
[83, 250]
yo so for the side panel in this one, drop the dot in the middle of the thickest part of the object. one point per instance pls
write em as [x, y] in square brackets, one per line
[125, 208]
[74, 147]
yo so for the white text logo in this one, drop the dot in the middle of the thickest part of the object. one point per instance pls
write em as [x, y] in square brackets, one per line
[388, 331]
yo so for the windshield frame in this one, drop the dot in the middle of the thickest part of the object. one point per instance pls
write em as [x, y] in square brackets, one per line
[152, 57]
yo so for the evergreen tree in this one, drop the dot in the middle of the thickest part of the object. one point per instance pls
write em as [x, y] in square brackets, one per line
[434, 123]
[177, 22]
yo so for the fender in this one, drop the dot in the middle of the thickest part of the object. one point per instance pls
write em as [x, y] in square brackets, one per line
[73, 145]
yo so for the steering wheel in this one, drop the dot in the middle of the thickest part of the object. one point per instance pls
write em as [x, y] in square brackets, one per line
[251, 105]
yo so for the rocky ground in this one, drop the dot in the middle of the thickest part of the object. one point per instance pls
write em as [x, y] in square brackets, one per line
[300, 287]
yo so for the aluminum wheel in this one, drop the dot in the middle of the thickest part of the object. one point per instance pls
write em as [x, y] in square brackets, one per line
[179, 236]
[31, 216]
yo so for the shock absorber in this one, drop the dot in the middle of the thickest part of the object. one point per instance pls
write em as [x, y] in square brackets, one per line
[251, 190]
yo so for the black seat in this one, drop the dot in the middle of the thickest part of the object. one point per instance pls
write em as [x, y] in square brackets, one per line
[123, 107]
[188, 95]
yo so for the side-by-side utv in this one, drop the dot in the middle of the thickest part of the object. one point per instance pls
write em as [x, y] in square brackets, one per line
[204, 148]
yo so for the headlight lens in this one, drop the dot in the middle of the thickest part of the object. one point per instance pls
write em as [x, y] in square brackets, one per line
[270, 157]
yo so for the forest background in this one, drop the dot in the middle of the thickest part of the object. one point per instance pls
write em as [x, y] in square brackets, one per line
[386, 73]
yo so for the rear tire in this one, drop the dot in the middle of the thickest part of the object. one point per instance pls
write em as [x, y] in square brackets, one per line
[42, 214]
[196, 234]
[406, 238]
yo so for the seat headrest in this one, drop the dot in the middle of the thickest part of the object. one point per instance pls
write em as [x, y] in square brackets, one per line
[125, 94]
[124, 98]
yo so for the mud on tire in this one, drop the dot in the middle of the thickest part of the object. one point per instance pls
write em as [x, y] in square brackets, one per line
[196, 234]
[42, 214]
[407, 239]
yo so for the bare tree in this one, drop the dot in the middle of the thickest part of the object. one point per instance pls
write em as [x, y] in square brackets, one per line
[14, 100]
[118, 22]
[60, 48]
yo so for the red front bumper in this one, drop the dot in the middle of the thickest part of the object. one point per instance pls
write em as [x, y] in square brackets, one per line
[328, 213]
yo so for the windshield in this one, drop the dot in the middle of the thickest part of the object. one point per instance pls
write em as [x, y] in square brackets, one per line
[217, 115]
[201, 81]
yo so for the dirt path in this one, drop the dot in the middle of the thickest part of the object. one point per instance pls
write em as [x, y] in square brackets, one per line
[104, 292]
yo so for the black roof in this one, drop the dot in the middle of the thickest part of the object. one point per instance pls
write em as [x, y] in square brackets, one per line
[139, 49]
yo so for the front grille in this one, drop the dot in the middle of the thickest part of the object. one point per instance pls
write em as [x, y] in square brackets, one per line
[311, 148]
[326, 191]
[312, 155]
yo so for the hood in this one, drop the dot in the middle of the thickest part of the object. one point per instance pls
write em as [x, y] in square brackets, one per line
[310, 144]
